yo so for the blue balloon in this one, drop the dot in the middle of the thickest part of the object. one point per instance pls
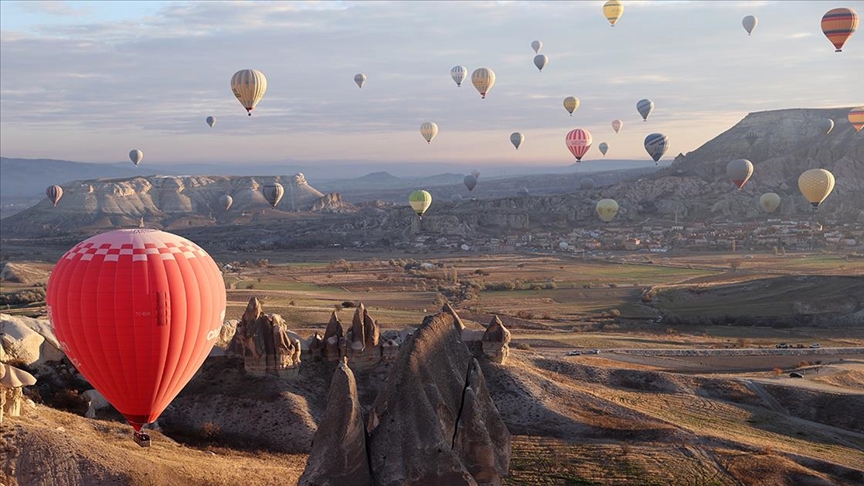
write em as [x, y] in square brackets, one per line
[656, 145]
[645, 107]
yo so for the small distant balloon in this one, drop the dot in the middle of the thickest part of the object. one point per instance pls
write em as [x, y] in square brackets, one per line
[475, 173]
[536, 45]
[571, 104]
[470, 182]
[360, 79]
[516, 138]
[613, 9]
[838, 25]
[226, 201]
[739, 171]
[604, 147]
[524, 192]
[586, 183]
[136, 156]
[211, 121]
[656, 145]
[429, 130]
[578, 142]
[749, 22]
[273, 193]
[825, 126]
[483, 79]
[540, 60]
[751, 137]
[54, 193]
[607, 209]
[616, 125]
[769, 202]
[645, 107]
[458, 73]
[420, 201]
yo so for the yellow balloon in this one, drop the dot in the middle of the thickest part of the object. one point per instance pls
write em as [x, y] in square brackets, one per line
[249, 86]
[856, 118]
[769, 202]
[607, 209]
[420, 201]
[571, 104]
[613, 9]
[816, 185]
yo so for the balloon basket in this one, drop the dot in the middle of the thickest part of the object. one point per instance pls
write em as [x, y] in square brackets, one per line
[142, 439]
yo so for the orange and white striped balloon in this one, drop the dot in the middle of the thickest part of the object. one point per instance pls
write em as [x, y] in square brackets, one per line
[856, 118]
[838, 25]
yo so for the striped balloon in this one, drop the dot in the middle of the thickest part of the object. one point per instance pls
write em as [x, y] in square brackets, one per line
[249, 86]
[54, 193]
[838, 25]
[273, 193]
[856, 118]
[516, 138]
[483, 79]
[613, 9]
[458, 73]
[429, 130]
[645, 107]
[578, 141]
[656, 145]
[751, 137]
[420, 201]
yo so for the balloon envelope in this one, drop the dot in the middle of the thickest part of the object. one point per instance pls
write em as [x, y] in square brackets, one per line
[749, 22]
[613, 9]
[645, 107]
[578, 142]
[249, 86]
[429, 130]
[483, 79]
[226, 201]
[516, 138]
[540, 60]
[136, 156]
[470, 182]
[587, 183]
[607, 209]
[136, 311]
[420, 201]
[616, 125]
[211, 121]
[816, 185]
[751, 138]
[524, 192]
[838, 25]
[604, 147]
[769, 202]
[739, 171]
[571, 104]
[536, 45]
[856, 118]
[360, 79]
[273, 193]
[475, 173]
[826, 125]
[656, 145]
[54, 193]
[458, 73]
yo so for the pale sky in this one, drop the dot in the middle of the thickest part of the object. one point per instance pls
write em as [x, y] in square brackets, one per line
[89, 81]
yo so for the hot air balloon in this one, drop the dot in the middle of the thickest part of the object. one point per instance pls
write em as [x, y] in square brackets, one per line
[540, 61]
[607, 209]
[476, 173]
[751, 137]
[656, 145]
[613, 9]
[226, 201]
[429, 130]
[211, 121]
[586, 183]
[739, 171]
[571, 104]
[54, 193]
[420, 202]
[273, 193]
[578, 141]
[856, 118]
[645, 107]
[838, 25]
[616, 125]
[536, 45]
[816, 185]
[249, 86]
[604, 147]
[483, 79]
[136, 156]
[458, 73]
[516, 138]
[749, 22]
[360, 79]
[826, 125]
[769, 202]
[136, 311]
[523, 192]
[470, 182]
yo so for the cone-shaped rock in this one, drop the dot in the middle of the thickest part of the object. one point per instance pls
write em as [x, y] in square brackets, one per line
[370, 330]
[448, 309]
[338, 456]
[496, 341]
[332, 337]
[358, 337]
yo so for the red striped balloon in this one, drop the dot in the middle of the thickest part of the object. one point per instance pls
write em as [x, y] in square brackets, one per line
[579, 141]
[856, 118]
[136, 311]
[838, 25]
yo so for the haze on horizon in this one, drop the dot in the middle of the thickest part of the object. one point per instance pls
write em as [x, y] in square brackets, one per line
[88, 81]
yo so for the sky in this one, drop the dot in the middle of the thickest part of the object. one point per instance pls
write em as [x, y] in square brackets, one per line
[89, 81]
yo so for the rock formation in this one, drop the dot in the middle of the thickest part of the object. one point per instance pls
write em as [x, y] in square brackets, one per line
[390, 343]
[316, 347]
[362, 340]
[496, 341]
[30, 342]
[338, 456]
[12, 382]
[333, 337]
[269, 348]
[434, 422]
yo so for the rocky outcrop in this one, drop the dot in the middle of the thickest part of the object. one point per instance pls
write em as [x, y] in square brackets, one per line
[315, 347]
[338, 456]
[434, 422]
[333, 338]
[269, 348]
[391, 341]
[28, 341]
[362, 339]
[496, 341]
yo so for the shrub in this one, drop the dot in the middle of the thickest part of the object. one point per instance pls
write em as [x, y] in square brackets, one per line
[500, 286]
[523, 314]
[615, 313]
[347, 304]
[524, 346]
[210, 431]
[777, 371]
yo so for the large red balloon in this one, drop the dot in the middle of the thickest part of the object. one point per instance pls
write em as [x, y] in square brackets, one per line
[137, 312]
[579, 141]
